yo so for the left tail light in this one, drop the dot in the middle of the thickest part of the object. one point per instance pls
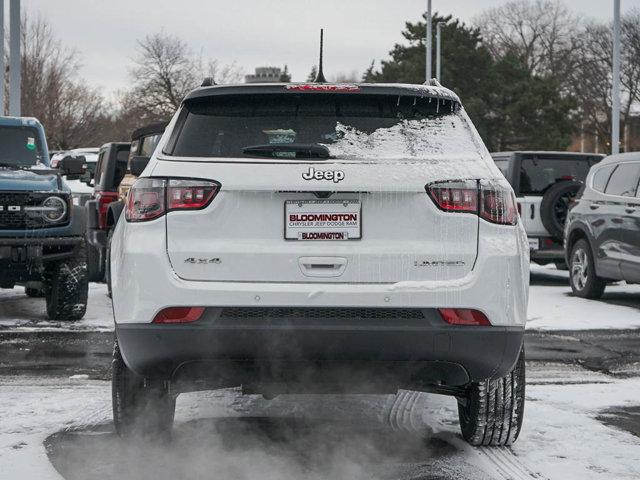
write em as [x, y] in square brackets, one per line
[150, 198]
[493, 202]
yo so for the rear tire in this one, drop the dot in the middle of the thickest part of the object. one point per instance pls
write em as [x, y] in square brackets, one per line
[140, 407]
[492, 412]
[582, 273]
[67, 288]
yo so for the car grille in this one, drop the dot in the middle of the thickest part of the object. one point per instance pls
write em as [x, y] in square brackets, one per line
[320, 316]
[19, 220]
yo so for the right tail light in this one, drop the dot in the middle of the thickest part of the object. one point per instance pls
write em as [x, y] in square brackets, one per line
[150, 198]
[491, 201]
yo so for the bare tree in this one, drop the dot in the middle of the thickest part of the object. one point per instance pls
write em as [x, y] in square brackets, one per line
[543, 33]
[165, 70]
[51, 90]
[592, 79]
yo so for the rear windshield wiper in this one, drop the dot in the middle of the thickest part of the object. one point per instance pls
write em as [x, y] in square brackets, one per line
[288, 150]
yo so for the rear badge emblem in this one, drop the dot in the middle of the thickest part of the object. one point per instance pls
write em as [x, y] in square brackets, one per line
[333, 175]
[438, 263]
[202, 261]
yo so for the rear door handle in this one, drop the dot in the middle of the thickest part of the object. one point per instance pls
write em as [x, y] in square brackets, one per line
[322, 266]
[594, 206]
[629, 209]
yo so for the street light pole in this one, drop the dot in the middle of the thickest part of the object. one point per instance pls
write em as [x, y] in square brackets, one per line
[439, 50]
[615, 91]
[14, 58]
[2, 67]
[428, 42]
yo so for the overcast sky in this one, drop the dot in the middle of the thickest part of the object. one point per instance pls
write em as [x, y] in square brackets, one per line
[252, 32]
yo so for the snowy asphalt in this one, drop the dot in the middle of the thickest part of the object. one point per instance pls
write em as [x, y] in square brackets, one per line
[582, 416]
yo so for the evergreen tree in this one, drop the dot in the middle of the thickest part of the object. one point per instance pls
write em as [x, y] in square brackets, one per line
[312, 74]
[533, 114]
[285, 76]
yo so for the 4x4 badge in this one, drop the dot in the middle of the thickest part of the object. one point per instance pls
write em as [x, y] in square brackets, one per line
[313, 174]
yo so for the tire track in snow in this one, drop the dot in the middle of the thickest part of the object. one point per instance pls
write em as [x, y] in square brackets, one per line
[405, 414]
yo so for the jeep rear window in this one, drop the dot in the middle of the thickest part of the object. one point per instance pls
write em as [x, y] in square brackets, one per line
[21, 146]
[538, 174]
[351, 126]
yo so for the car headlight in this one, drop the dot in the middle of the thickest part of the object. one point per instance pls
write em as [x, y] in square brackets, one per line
[54, 209]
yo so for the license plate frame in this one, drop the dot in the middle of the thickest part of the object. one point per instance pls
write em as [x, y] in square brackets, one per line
[319, 232]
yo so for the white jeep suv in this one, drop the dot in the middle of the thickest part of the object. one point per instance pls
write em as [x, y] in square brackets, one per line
[321, 238]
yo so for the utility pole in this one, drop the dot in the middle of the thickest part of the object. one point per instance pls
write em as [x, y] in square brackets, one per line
[439, 26]
[2, 67]
[615, 91]
[428, 42]
[14, 59]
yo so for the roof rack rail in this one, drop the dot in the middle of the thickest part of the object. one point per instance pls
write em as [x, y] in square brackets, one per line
[433, 83]
[208, 82]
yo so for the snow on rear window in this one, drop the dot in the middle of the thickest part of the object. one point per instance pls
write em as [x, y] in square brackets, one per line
[427, 138]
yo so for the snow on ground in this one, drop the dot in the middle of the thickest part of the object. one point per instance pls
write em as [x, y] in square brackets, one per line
[561, 438]
[551, 307]
[22, 313]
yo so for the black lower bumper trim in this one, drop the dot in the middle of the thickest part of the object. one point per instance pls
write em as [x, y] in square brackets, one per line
[338, 360]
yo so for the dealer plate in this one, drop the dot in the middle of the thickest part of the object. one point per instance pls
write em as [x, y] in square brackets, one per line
[322, 220]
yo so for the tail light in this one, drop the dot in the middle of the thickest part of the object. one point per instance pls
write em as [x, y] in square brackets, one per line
[491, 201]
[150, 198]
[104, 199]
[464, 316]
[179, 315]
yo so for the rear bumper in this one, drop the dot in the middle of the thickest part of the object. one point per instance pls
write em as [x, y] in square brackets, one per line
[314, 358]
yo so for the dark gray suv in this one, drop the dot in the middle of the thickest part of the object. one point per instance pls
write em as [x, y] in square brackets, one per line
[602, 234]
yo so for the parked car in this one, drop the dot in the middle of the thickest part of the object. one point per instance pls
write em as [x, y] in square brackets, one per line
[81, 185]
[143, 143]
[321, 238]
[119, 167]
[602, 236]
[110, 170]
[545, 184]
[41, 230]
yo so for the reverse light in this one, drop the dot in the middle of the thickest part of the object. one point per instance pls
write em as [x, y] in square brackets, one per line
[493, 202]
[455, 196]
[150, 198]
[190, 194]
[179, 315]
[464, 316]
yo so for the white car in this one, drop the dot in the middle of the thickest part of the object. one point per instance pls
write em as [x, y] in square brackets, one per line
[321, 238]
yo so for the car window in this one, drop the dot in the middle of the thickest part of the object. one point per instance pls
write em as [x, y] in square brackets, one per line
[149, 144]
[350, 126]
[624, 180]
[538, 174]
[21, 146]
[100, 166]
[601, 177]
[503, 165]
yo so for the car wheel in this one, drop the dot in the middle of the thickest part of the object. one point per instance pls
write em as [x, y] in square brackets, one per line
[582, 274]
[140, 407]
[491, 414]
[34, 292]
[67, 288]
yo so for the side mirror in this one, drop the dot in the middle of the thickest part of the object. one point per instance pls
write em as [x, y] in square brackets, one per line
[72, 165]
[138, 164]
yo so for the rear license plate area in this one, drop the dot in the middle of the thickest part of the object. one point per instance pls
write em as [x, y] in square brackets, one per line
[322, 220]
